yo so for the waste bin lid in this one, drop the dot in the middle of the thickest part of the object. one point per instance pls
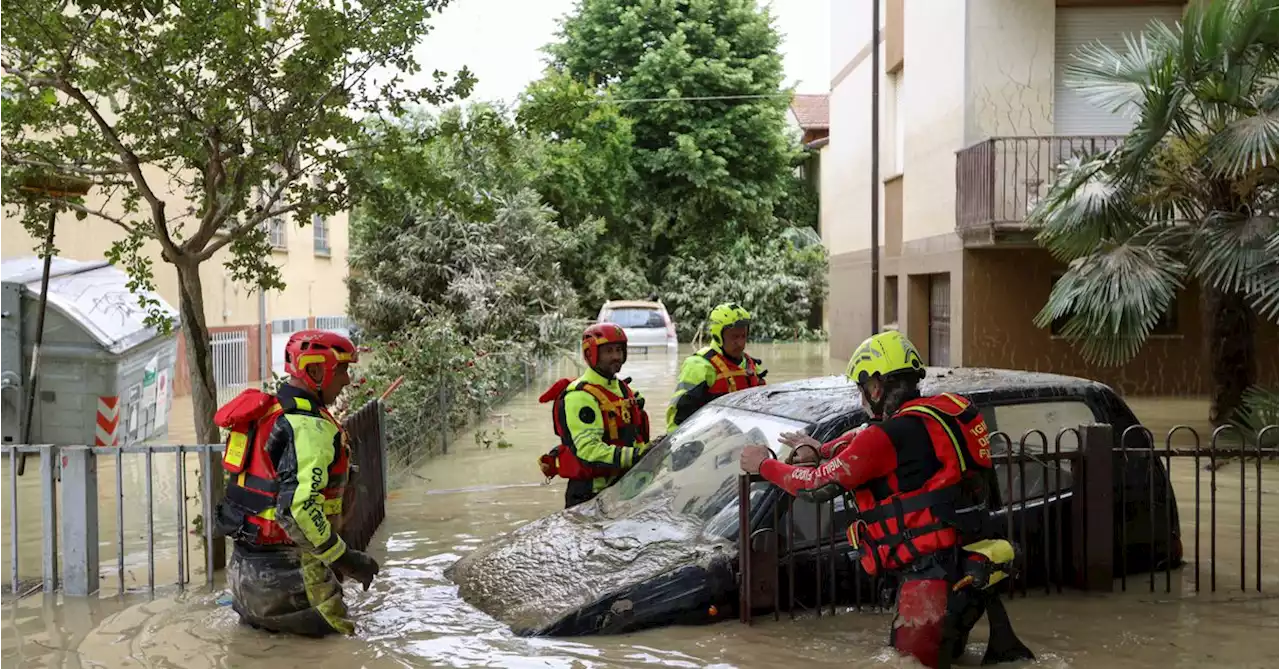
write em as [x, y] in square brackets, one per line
[93, 294]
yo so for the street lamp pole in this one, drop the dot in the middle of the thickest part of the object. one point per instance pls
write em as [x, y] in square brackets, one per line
[875, 166]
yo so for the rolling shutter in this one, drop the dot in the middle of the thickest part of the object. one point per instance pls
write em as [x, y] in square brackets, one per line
[1077, 26]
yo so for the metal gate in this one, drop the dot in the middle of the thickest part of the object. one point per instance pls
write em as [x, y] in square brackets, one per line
[940, 320]
[230, 363]
[1085, 529]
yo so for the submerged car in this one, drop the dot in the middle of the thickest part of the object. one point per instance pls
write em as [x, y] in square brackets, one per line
[660, 546]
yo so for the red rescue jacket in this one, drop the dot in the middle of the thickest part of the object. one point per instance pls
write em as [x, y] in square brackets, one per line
[253, 485]
[730, 376]
[895, 527]
[625, 424]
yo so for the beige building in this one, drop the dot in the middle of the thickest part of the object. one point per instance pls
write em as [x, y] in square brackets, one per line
[974, 117]
[312, 260]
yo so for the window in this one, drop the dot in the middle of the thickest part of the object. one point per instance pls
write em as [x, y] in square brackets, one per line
[1014, 420]
[276, 233]
[891, 302]
[636, 318]
[320, 228]
[693, 473]
[1167, 326]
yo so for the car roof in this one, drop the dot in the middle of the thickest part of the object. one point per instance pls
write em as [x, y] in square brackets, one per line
[821, 398]
[614, 304]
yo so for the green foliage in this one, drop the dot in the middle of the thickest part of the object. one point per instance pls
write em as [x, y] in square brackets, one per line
[246, 110]
[1189, 196]
[455, 264]
[635, 150]
[782, 279]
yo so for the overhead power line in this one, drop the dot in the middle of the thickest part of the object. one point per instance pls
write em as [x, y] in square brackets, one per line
[700, 98]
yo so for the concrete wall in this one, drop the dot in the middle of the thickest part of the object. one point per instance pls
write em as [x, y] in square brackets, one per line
[1009, 65]
[933, 79]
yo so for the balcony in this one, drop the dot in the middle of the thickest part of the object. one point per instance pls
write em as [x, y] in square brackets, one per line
[1000, 180]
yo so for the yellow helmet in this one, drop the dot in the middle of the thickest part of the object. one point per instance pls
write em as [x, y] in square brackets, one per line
[727, 315]
[882, 355]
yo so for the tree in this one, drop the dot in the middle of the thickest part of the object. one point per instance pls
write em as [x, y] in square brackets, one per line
[1190, 195]
[245, 109]
[707, 170]
[456, 266]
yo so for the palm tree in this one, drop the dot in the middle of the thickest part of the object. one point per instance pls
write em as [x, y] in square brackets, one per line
[1190, 195]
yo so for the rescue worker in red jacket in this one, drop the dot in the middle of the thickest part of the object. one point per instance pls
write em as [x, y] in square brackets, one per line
[600, 420]
[288, 460]
[925, 468]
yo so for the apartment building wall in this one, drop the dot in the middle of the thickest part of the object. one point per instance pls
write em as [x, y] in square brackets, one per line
[956, 74]
[315, 282]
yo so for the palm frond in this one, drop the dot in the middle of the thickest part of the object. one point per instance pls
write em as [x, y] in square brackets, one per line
[1113, 299]
[1117, 81]
[1230, 251]
[1085, 206]
[1259, 408]
[1244, 145]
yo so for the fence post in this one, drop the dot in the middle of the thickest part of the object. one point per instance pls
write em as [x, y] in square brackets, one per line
[49, 517]
[1093, 509]
[80, 520]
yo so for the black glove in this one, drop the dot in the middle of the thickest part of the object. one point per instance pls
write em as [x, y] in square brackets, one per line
[357, 565]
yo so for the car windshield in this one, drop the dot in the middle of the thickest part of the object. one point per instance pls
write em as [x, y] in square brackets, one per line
[636, 317]
[695, 470]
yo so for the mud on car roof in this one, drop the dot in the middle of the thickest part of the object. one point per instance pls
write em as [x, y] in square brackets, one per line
[817, 399]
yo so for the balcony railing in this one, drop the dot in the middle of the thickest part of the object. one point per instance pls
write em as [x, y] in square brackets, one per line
[999, 181]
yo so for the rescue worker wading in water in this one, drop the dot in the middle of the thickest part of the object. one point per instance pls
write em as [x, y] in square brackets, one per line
[921, 480]
[719, 369]
[287, 460]
[600, 420]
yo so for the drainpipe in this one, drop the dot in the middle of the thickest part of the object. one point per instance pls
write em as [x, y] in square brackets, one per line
[875, 166]
[35, 351]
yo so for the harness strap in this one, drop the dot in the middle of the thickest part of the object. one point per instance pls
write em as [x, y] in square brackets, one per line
[956, 443]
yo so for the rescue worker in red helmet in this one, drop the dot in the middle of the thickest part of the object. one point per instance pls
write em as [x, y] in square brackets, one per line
[599, 418]
[287, 460]
[921, 480]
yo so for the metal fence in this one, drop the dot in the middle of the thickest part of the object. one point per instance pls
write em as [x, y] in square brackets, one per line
[1106, 511]
[1000, 180]
[230, 354]
[70, 507]
[428, 417]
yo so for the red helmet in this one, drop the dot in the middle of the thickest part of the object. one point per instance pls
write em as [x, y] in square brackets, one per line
[598, 335]
[307, 348]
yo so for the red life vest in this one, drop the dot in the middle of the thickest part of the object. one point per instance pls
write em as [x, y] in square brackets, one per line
[253, 485]
[949, 501]
[730, 376]
[625, 424]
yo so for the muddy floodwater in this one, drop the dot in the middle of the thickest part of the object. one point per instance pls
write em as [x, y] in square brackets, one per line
[412, 616]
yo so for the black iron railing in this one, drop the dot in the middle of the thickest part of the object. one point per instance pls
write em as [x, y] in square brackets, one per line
[1067, 531]
[1000, 180]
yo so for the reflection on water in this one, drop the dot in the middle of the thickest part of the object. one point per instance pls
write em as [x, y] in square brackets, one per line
[412, 617]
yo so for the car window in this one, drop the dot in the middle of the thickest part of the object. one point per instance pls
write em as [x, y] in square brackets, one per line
[1050, 418]
[636, 317]
[694, 471]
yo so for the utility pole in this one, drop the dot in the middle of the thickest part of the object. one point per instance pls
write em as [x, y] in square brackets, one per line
[875, 166]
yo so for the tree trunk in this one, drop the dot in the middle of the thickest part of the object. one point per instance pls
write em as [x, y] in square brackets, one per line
[1229, 327]
[204, 396]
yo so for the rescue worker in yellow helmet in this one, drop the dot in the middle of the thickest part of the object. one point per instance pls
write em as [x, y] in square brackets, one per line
[600, 420]
[922, 482]
[719, 369]
[288, 461]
